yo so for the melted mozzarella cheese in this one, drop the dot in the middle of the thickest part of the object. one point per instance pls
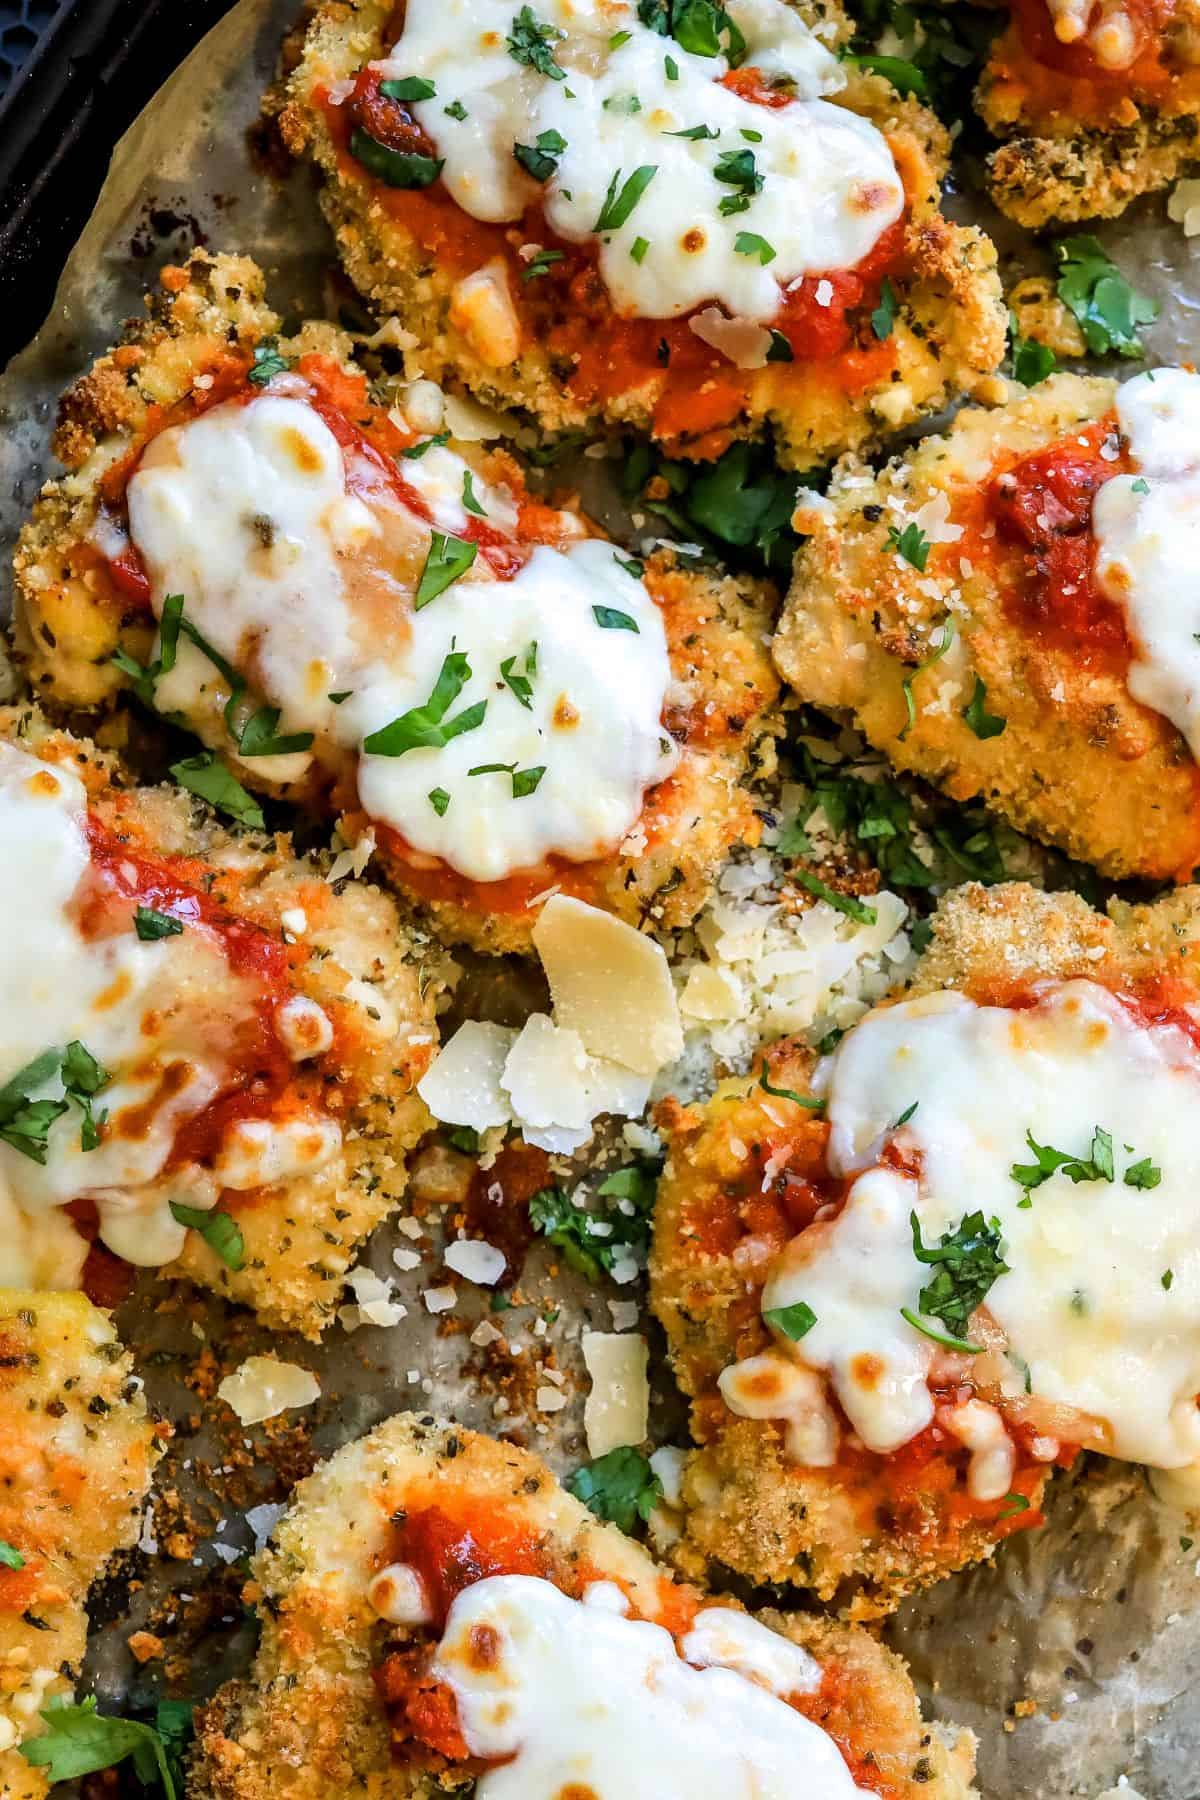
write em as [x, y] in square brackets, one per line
[593, 721]
[307, 591]
[583, 1700]
[829, 186]
[157, 1016]
[1147, 530]
[1101, 1301]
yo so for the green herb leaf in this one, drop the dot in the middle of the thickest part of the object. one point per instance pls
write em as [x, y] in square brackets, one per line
[10, 1556]
[968, 1262]
[267, 362]
[455, 110]
[572, 1229]
[636, 1182]
[219, 1230]
[520, 685]
[1031, 361]
[336, 699]
[983, 723]
[78, 1741]
[748, 243]
[25, 1123]
[205, 776]
[611, 618]
[904, 76]
[530, 41]
[439, 799]
[853, 908]
[793, 1321]
[1110, 312]
[706, 29]
[884, 316]
[83, 1078]
[618, 38]
[422, 726]
[541, 264]
[695, 133]
[911, 544]
[638, 249]
[1166, 1278]
[671, 67]
[260, 736]
[1143, 1174]
[525, 781]
[1141, 486]
[780, 350]
[619, 204]
[1013, 1503]
[620, 1487]
[947, 638]
[448, 558]
[541, 159]
[151, 925]
[738, 169]
[417, 450]
[810, 1102]
[395, 168]
[409, 87]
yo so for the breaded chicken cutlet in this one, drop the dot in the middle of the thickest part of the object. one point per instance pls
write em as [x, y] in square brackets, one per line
[357, 617]
[1011, 610]
[76, 1454]
[902, 1283]
[209, 1053]
[1097, 101]
[647, 216]
[438, 1615]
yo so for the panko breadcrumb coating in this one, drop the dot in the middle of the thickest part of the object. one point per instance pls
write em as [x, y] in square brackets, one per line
[77, 1450]
[743, 1176]
[83, 598]
[337, 1701]
[1096, 104]
[994, 669]
[410, 253]
[346, 952]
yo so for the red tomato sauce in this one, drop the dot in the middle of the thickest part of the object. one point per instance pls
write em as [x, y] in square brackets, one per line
[1041, 508]
[1150, 70]
[567, 309]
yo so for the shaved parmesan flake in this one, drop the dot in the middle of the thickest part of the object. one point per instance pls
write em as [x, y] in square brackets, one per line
[609, 983]
[476, 1261]
[463, 1084]
[617, 1410]
[263, 1387]
[741, 340]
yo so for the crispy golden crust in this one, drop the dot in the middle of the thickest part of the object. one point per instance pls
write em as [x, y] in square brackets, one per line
[204, 325]
[949, 332]
[76, 1454]
[1080, 764]
[301, 1236]
[309, 1721]
[849, 1532]
[1076, 148]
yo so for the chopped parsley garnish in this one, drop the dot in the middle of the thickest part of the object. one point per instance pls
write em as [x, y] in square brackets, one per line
[25, 1123]
[337, 699]
[625, 104]
[395, 168]
[618, 38]
[780, 349]
[854, 909]
[751, 137]
[1031, 361]
[611, 618]
[884, 315]
[524, 781]
[632, 565]
[638, 249]
[144, 676]
[618, 204]
[968, 1262]
[737, 169]
[151, 925]
[810, 1102]
[743, 499]
[1140, 486]
[541, 159]
[261, 736]
[703, 28]
[793, 1321]
[620, 1487]
[267, 362]
[624, 1229]
[541, 264]
[904, 75]
[1110, 312]
[529, 42]
[1143, 1174]
[469, 501]
[219, 1230]
[1167, 1277]
[448, 558]
[521, 686]
[439, 799]
[983, 723]
[671, 68]
[1096, 1166]
[1013, 1503]
[417, 450]
[83, 1078]
[423, 726]
[695, 133]
[906, 685]
[79, 1741]
[408, 87]
[928, 50]
[748, 243]
[204, 776]
[455, 110]
[911, 544]
[10, 1556]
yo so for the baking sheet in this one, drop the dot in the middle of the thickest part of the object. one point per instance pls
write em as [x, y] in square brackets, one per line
[1075, 1655]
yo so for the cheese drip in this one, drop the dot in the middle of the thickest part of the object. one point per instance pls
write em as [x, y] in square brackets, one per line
[827, 183]
[1101, 1302]
[307, 589]
[579, 1699]
[1147, 530]
[158, 1017]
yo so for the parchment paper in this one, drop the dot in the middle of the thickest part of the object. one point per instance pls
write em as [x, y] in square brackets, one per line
[1075, 1655]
